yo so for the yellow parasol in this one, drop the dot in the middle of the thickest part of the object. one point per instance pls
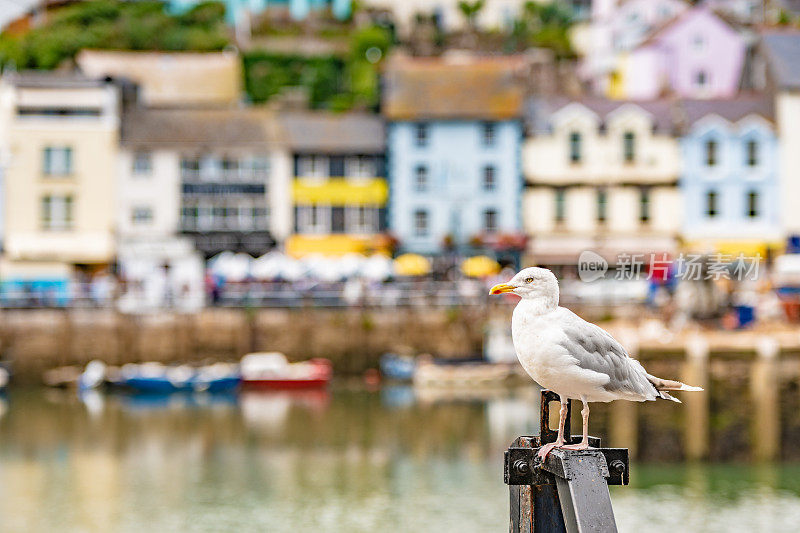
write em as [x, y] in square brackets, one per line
[479, 266]
[411, 265]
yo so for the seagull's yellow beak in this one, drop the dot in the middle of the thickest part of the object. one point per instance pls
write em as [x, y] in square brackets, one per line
[501, 288]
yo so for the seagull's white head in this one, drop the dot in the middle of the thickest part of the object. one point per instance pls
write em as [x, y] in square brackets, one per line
[532, 283]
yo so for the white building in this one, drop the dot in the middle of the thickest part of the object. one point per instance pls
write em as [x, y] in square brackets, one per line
[193, 183]
[601, 176]
[60, 135]
[781, 75]
[614, 28]
[495, 14]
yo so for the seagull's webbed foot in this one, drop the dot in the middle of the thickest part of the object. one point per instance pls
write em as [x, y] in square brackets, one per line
[547, 448]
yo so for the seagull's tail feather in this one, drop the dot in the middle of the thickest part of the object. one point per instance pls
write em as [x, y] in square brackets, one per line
[663, 385]
[667, 396]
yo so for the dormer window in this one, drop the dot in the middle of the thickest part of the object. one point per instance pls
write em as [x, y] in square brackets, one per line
[752, 153]
[629, 147]
[575, 147]
[711, 153]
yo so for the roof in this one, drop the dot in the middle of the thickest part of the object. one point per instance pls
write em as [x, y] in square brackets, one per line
[732, 110]
[454, 88]
[40, 79]
[171, 78]
[782, 50]
[664, 28]
[540, 110]
[311, 131]
[144, 128]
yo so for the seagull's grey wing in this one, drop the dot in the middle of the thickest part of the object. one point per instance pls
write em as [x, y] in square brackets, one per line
[595, 349]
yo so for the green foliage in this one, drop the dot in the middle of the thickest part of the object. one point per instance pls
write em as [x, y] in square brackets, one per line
[333, 82]
[267, 73]
[109, 24]
[471, 9]
[545, 26]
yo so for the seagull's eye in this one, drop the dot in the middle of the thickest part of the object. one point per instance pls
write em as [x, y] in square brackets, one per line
[528, 280]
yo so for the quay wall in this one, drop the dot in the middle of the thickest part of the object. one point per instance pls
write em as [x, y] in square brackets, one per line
[354, 339]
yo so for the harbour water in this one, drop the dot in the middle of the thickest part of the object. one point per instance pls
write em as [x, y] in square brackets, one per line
[346, 461]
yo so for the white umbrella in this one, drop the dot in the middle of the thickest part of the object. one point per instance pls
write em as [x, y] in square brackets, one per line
[377, 268]
[268, 266]
[350, 265]
[323, 268]
[291, 269]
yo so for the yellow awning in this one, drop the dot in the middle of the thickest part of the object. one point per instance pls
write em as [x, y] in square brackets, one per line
[332, 245]
[340, 191]
[734, 247]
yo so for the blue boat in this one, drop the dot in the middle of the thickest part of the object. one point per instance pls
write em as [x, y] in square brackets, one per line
[157, 378]
[398, 367]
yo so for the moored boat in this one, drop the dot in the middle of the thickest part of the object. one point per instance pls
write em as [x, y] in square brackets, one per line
[272, 370]
[158, 378]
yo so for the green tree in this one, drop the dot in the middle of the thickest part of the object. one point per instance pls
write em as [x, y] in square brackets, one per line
[109, 24]
[470, 10]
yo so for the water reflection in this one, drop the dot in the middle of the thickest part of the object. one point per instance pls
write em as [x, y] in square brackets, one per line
[395, 460]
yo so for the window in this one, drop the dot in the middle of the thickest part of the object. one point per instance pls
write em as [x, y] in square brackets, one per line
[141, 216]
[644, 205]
[752, 204]
[142, 163]
[361, 219]
[712, 210]
[189, 217]
[488, 133]
[314, 219]
[56, 212]
[230, 168]
[698, 41]
[752, 153]
[57, 161]
[190, 167]
[313, 166]
[360, 166]
[575, 147]
[260, 165]
[700, 79]
[561, 207]
[421, 134]
[259, 217]
[489, 183]
[711, 153]
[420, 223]
[628, 147]
[602, 205]
[490, 221]
[421, 178]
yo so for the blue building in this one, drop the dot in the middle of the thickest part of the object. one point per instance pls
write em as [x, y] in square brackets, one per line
[235, 10]
[454, 140]
[730, 176]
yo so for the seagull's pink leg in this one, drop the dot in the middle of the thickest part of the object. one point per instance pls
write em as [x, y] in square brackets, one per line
[562, 418]
[584, 443]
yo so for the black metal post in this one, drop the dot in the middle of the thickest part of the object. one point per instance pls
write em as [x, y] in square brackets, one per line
[568, 492]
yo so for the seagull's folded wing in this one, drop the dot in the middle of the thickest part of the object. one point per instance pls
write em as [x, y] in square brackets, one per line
[595, 349]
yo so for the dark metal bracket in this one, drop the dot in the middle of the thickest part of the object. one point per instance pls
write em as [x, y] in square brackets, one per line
[568, 491]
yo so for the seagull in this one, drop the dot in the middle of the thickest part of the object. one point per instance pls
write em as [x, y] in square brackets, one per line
[572, 357]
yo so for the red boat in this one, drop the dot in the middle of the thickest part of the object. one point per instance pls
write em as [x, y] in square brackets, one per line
[273, 371]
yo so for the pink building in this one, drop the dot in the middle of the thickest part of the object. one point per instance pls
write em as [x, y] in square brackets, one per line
[695, 55]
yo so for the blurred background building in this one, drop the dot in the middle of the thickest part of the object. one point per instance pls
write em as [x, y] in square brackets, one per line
[312, 133]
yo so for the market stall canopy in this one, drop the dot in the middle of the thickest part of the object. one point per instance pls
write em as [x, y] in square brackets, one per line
[480, 266]
[411, 265]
